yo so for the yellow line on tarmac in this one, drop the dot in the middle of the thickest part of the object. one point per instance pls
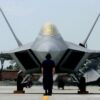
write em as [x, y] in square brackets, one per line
[45, 98]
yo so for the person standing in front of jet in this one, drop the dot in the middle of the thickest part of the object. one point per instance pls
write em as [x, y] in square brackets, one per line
[48, 70]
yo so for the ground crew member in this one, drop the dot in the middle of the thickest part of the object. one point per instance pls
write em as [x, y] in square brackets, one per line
[48, 69]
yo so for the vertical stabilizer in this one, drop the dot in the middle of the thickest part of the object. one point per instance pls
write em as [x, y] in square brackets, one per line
[17, 40]
[85, 41]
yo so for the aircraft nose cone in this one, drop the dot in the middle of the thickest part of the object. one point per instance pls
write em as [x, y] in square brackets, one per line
[49, 29]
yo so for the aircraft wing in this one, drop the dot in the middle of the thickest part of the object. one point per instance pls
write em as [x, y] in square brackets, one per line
[74, 57]
[24, 57]
[8, 55]
[94, 54]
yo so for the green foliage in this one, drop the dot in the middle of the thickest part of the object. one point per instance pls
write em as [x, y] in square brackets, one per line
[14, 67]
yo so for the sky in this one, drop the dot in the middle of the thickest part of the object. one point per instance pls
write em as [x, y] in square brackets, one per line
[73, 19]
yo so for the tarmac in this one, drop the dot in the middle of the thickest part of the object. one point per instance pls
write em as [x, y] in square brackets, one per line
[36, 93]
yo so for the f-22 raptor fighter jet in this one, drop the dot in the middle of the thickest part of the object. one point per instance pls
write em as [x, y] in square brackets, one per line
[69, 57]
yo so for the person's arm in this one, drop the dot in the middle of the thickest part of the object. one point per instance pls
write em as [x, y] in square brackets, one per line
[42, 70]
[53, 71]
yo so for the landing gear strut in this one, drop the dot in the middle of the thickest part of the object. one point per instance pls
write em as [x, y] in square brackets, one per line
[82, 86]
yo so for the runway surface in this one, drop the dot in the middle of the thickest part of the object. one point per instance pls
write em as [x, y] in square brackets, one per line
[36, 93]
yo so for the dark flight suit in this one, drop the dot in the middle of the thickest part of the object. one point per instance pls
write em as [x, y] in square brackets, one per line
[48, 66]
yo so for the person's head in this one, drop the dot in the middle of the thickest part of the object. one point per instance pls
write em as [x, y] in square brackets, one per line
[48, 56]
